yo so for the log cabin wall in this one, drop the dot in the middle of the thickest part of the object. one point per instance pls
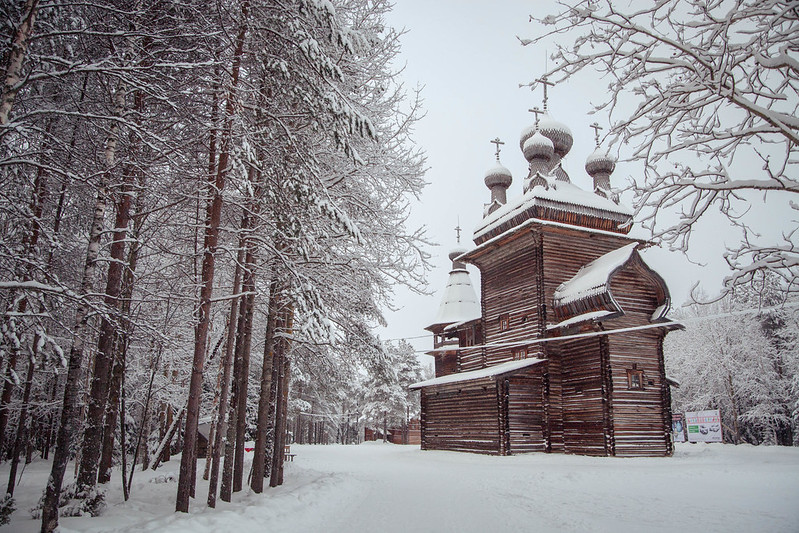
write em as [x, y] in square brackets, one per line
[509, 287]
[585, 429]
[565, 251]
[462, 417]
[446, 363]
[642, 417]
[527, 430]
[554, 395]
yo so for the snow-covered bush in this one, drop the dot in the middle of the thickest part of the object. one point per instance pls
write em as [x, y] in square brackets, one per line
[72, 502]
[7, 508]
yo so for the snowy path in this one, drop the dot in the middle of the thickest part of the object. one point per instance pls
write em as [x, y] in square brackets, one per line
[400, 488]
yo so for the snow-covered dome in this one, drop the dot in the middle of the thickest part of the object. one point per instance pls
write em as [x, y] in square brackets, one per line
[498, 175]
[538, 146]
[527, 132]
[599, 162]
[558, 133]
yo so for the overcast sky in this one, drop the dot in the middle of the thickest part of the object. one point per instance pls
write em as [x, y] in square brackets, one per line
[466, 56]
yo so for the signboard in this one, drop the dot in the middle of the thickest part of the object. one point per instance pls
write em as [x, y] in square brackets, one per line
[703, 426]
[678, 427]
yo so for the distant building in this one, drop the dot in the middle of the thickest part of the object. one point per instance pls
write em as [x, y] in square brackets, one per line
[564, 351]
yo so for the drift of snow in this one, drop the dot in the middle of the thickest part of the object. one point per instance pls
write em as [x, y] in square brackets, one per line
[704, 487]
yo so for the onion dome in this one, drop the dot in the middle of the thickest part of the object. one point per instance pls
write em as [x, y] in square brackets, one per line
[558, 133]
[526, 134]
[498, 175]
[537, 146]
[599, 162]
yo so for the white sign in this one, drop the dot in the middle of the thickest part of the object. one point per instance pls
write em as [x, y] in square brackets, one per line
[703, 426]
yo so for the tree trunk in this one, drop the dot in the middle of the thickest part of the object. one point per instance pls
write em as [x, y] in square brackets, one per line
[121, 336]
[104, 359]
[69, 409]
[276, 473]
[16, 58]
[262, 426]
[22, 425]
[243, 377]
[221, 423]
[207, 279]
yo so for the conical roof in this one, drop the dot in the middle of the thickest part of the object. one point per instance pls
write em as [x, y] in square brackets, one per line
[459, 302]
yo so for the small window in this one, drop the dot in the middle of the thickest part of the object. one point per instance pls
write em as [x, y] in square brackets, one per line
[468, 337]
[519, 354]
[635, 380]
[504, 322]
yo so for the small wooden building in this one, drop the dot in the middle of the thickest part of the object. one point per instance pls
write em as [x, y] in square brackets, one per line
[564, 352]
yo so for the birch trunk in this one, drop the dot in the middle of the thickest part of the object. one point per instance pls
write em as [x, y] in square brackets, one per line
[69, 410]
[16, 58]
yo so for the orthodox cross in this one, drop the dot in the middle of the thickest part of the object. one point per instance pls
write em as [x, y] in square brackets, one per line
[543, 81]
[497, 142]
[596, 127]
[537, 112]
[458, 231]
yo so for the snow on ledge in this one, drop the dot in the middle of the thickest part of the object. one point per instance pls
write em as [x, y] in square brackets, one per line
[585, 317]
[486, 372]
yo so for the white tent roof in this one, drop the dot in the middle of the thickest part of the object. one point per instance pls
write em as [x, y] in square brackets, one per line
[459, 302]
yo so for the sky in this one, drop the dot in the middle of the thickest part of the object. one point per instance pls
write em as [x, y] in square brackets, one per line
[466, 57]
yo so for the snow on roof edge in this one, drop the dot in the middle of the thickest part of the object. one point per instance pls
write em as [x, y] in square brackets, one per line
[486, 372]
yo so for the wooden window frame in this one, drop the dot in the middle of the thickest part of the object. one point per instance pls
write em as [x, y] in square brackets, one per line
[504, 322]
[519, 354]
[635, 379]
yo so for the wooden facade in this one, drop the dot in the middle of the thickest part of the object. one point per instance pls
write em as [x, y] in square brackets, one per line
[563, 288]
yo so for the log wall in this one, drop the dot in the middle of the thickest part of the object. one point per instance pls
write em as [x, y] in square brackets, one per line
[526, 413]
[510, 286]
[585, 421]
[462, 417]
[642, 418]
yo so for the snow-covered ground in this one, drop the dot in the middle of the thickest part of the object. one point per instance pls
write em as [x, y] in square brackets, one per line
[385, 487]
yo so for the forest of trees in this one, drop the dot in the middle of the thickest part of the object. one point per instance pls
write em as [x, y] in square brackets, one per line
[202, 205]
[740, 355]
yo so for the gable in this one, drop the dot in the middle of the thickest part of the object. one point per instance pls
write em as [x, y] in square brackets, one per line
[610, 286]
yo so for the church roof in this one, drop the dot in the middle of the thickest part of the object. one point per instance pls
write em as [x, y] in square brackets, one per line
[557, 195]
[459, 302]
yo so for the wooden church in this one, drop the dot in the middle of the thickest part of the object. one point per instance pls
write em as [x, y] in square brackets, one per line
[564, 351]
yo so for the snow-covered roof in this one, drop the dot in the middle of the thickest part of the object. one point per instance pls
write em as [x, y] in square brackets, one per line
[541, 222]
[585, 317]
[565, 195]
[456, 325]
[593, 278]
[459, 302]
[489, 371]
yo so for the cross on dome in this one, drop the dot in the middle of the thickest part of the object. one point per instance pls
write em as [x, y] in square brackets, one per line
[596, 127]
[458, 231]
[536, 112]
[497, 142]
[543, 81]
